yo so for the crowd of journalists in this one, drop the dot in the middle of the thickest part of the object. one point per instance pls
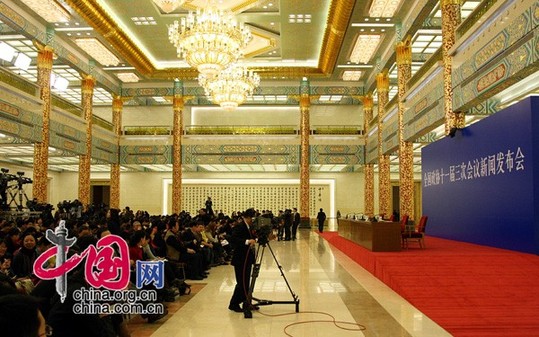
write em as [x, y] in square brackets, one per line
[188, 246]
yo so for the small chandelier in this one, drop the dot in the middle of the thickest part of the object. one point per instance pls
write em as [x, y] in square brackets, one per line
[231, 87]
[168, 6]
[209, 40]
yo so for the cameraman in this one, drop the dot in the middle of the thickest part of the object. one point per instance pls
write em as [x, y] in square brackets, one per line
[243, 259]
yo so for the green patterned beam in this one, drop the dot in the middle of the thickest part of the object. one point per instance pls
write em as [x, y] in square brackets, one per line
[337, 154]
[486, 108]
[20, 123]
[511, 51]
[520, 61]
[18, 82]
[67, 138]
[427, 138]
[243, 154]
[285, 90]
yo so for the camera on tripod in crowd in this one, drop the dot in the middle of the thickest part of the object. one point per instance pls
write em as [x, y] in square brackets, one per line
[66, 206]
[263, 229]
[35, 206]
[21, 179]
[5, 177]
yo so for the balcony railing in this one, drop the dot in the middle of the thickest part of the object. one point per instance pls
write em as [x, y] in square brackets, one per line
[242, 130]
[337, 130]
[147, 131]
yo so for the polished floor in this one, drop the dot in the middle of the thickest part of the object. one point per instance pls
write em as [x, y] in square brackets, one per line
[337, 298]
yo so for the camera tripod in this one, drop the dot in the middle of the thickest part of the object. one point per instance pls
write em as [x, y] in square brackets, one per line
[15, 191]
[256, 270]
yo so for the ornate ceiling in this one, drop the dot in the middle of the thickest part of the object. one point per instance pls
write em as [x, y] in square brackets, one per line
[292, 40]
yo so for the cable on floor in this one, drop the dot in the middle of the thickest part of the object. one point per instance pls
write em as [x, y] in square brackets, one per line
[338, 324]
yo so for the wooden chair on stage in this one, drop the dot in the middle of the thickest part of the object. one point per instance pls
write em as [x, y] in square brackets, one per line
[416, 235]
[404, 223]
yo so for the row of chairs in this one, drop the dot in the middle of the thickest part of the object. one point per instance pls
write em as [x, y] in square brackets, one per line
[413, 234]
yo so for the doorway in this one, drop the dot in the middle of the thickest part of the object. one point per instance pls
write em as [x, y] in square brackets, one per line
[100, 194]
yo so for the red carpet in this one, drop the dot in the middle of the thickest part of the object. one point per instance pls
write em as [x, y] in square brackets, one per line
[469, 290]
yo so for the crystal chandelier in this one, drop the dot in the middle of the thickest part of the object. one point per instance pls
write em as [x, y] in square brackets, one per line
[209, 40]
[231, 87]
[168, 6]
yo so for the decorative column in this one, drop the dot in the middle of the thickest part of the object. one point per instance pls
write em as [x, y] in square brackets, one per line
[88, 83]
[384, 178]
[406, 149]
[117, 107]
[305, 129]
[369, 168]
[41, 149]
[450, 20]
[177, 131]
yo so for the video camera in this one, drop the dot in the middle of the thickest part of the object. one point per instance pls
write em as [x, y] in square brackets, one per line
[5, 177]
[263, 229]
[34, 205]
[21, 179]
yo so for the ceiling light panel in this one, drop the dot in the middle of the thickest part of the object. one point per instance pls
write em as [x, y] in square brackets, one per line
[351, 75]
[7, 52]
[98, 51]
[49, 10]
[364, 48]
[299, 18]
[383, 8]
[128, 77]
[426, 41]
[144, 20]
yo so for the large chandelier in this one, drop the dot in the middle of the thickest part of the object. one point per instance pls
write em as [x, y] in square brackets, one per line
[209, 40]
[168, 6]
[231, 87]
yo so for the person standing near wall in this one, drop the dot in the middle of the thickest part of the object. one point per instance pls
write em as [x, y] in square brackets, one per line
[209, 205]
[295, 224]
[321, 219]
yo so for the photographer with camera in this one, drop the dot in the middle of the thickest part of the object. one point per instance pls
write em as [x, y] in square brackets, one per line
[243, 258]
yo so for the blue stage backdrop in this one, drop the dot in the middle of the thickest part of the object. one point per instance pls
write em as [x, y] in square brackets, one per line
[480, 186]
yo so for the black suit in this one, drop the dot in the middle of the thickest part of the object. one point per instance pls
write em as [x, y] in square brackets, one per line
[242, 260]
[295, 225]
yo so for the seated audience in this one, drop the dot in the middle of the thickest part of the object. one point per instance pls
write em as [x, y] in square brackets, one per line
[24, 257]
[20, 317]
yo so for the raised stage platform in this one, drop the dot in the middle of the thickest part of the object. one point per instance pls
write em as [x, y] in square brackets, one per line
[469, 290]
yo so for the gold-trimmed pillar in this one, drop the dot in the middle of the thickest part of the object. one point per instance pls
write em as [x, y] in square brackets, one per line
[406, 149]
[450, 20]
[177, 131]
[41, 149]
[305, 130]
[117, 108]
[88, 84]
[384, 177]
[369, 168]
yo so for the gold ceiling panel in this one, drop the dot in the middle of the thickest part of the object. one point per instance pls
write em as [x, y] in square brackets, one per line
[338, 18]
[235, 6]
[340, 13]
[103, 23]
